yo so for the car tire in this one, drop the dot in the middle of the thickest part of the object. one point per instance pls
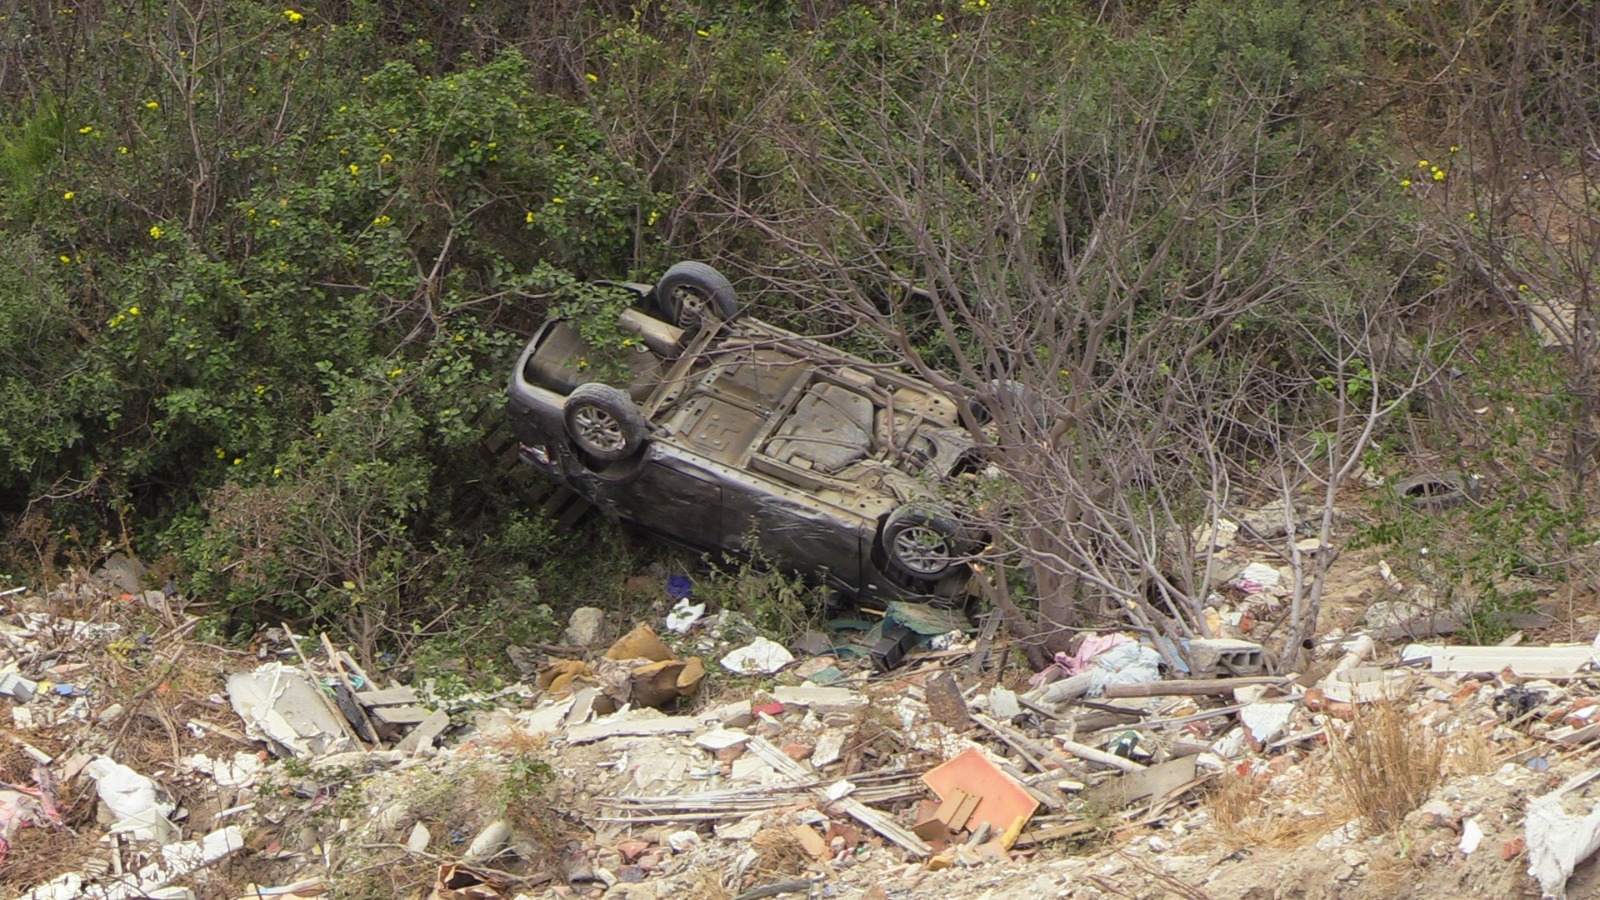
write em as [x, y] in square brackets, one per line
[1438, 491]
[603, 422]
[692, 293]
[922, 542]
[1020, 398]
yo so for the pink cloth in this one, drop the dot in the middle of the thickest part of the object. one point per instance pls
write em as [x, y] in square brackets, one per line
[1065, 665]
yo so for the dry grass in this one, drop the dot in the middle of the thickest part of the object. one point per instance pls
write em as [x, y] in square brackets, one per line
[1243, 816]
[707, 886]
[1387, 764]
[778, 856]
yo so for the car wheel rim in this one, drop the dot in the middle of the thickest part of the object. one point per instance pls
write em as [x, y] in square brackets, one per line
[922, 550]
[599, 430]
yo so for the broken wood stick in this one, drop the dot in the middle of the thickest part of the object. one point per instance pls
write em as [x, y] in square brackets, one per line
[344, 679]
[327, 702]
[1190, 688]
[880, 822]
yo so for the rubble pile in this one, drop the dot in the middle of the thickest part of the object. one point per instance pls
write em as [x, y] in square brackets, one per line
[903, 753]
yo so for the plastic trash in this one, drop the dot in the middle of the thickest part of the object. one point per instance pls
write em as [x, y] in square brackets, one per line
[760, 656]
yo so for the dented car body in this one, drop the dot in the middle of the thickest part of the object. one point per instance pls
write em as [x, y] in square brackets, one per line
[720, 430]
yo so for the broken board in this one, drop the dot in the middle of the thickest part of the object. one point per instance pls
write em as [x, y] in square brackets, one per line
[1156, 781]
[1001, 800]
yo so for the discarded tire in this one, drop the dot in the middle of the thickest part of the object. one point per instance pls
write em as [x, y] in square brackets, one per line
[1438, 490]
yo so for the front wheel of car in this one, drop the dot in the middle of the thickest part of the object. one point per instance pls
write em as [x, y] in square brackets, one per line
[921, 542]
[604, 422]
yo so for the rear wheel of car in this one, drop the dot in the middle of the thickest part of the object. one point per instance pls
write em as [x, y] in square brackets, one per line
[692, 293]
[921, 542]
[604, 422]
[1013, 398]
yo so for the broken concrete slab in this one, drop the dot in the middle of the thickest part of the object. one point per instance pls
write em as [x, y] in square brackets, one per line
[400, 716]
[634, 722]
[1003, 704]
[829, 749]
[721, 739]
[399, 696]
[425, 733]
[1266, 721]
[820, 699]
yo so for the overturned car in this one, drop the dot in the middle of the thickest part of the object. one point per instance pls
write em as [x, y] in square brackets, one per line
[717, 430]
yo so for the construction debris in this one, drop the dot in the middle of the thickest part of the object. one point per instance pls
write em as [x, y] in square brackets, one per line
[931, 768]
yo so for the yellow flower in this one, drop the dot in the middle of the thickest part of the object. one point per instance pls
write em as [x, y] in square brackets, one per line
[69, 195]
[1438, 174]
[151, 104]
[277, 473]
[122, 149]
[237, 460]
[385, 159]
[355, 169]
[292, 16]
[592, 77]
[221, 454]
[133, 310]
[702, 32]
[260, 389]
[938, 17]
[396, 373]
[1422, 164]
[156, 232]
[654, 215]
[1454, 149]
[557, 201]
[65, 259]
[274, 223]
[1405, 182]
[1033, 176]
[87, 129]
[382, 220]
[528, 218]
[1472, 217]
[1521, 288]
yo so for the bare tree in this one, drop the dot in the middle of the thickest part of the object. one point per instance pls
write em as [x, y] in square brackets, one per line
[1142, 291]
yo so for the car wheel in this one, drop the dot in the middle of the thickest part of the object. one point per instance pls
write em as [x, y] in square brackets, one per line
[1012, 395]
[921, 542]
[693, 293]
[604, 422]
